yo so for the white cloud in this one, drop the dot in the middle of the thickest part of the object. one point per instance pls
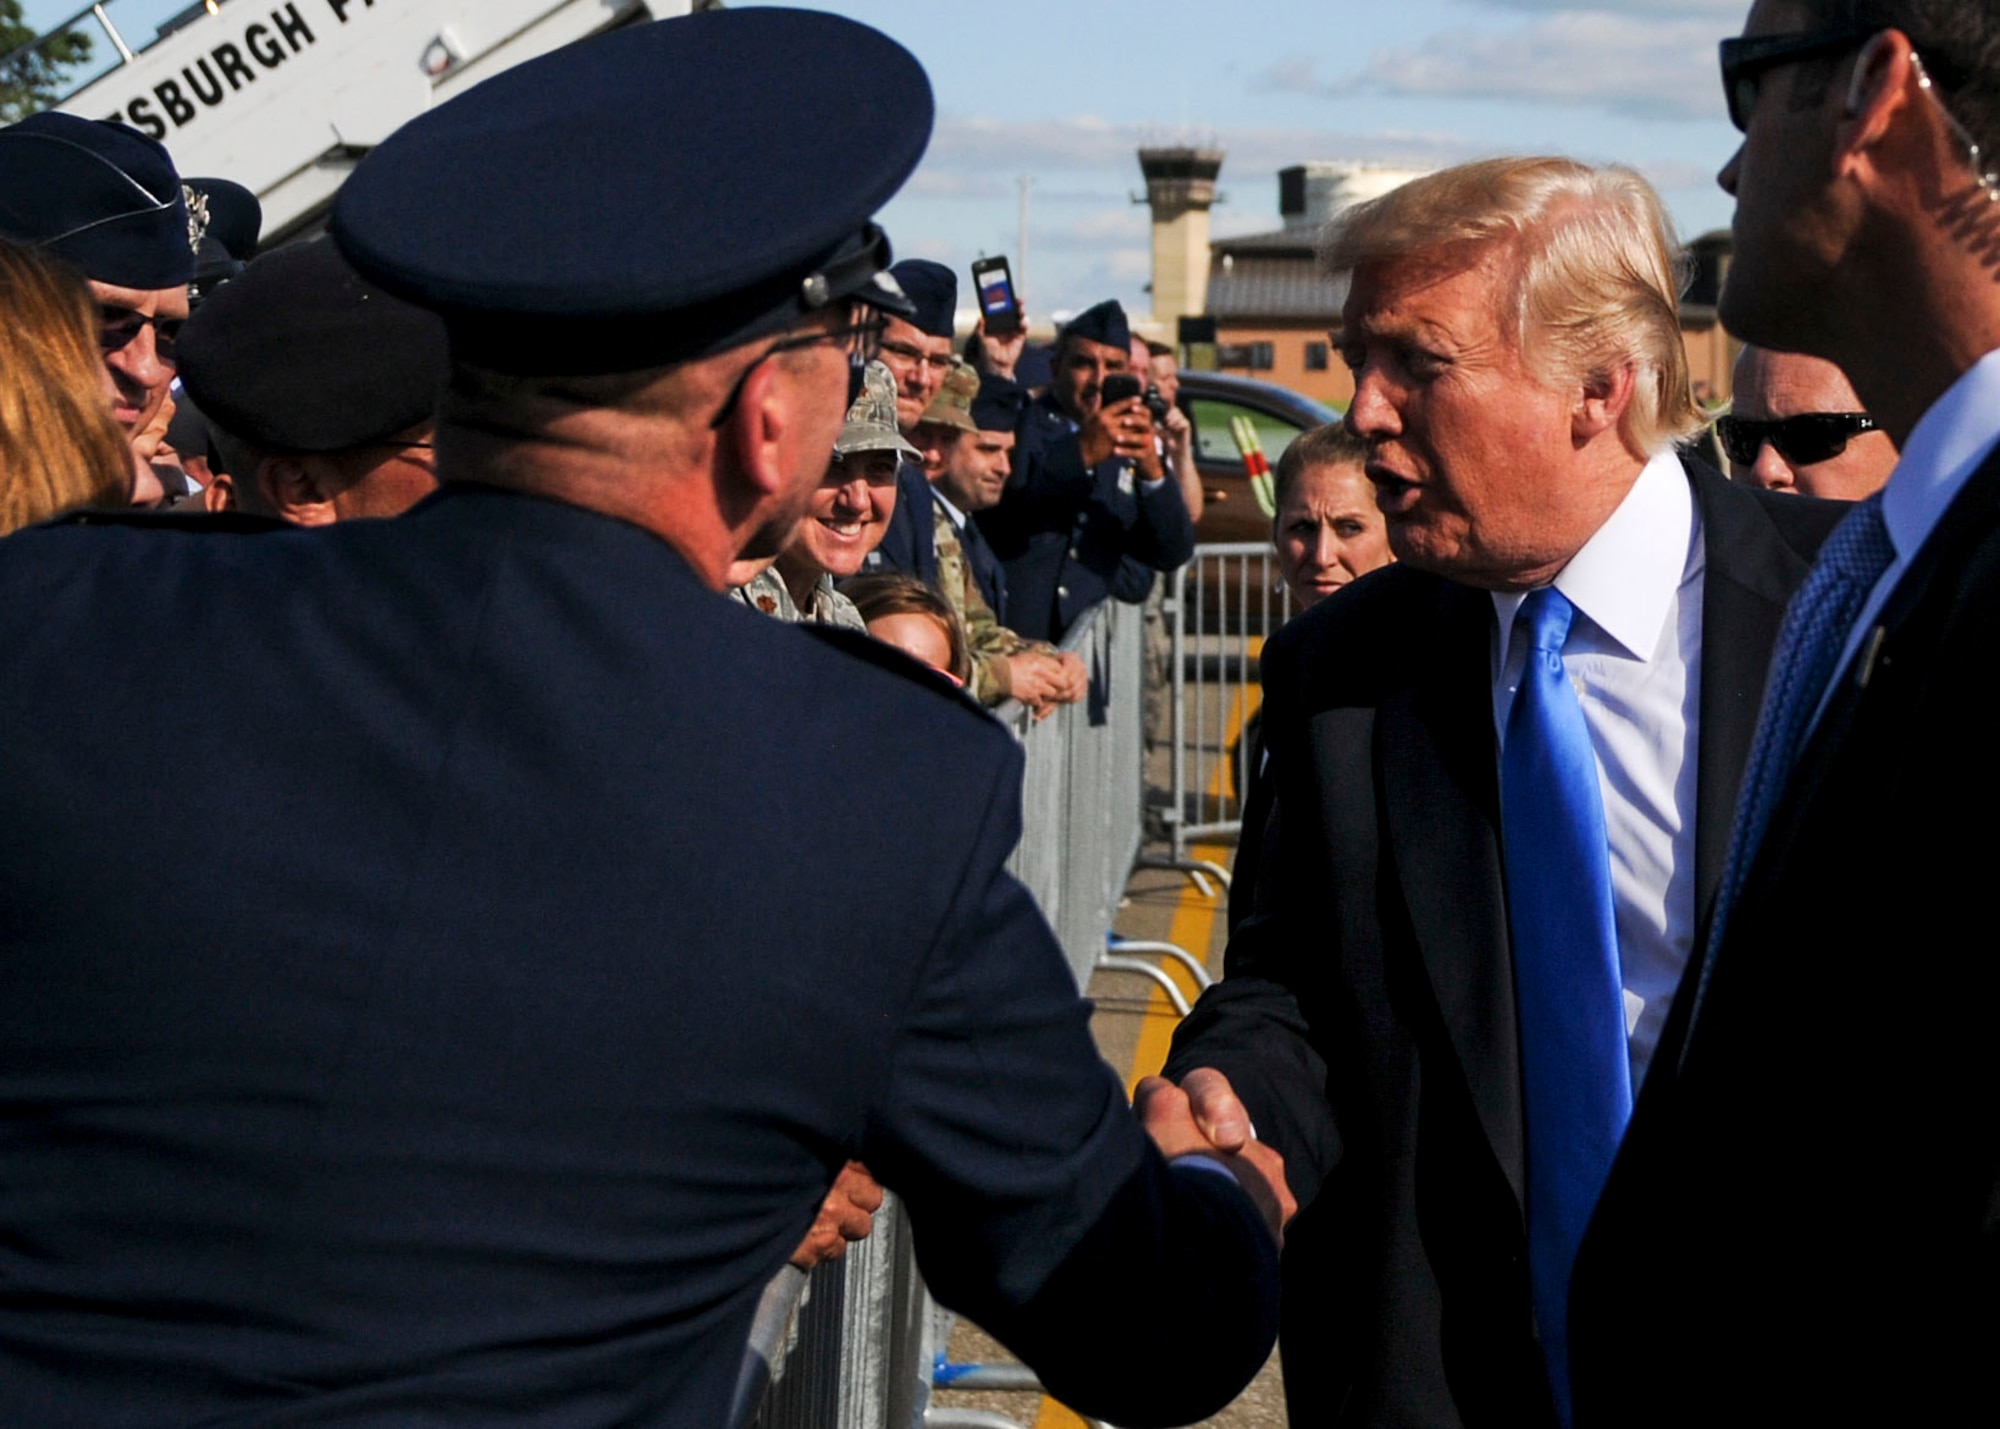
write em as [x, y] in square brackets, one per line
[1002, 148]
[981, 158]
[1619, 61]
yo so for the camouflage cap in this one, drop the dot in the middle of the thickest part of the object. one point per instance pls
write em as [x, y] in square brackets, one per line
[952, 407]
[871, 421]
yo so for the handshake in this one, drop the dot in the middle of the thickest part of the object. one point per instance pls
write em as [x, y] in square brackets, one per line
[1203, 1117]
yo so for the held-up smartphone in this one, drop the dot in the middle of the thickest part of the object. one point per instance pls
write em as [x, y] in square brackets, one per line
[1119, 387]
[998, 305]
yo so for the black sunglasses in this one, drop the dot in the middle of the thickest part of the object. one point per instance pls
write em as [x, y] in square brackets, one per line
[1802, 440]
[1746, 57]
[119, 328]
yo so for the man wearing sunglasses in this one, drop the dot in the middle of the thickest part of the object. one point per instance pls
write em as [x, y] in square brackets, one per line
[562, 951]
[1801, 1225]
[1794, 424]
[106, 199]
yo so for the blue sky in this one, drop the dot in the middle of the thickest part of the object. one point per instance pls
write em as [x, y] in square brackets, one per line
[1065, 92]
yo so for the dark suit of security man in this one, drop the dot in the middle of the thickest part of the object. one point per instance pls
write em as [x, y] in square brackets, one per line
[1078, 526]
[1803, 1225]
[1373, 1020]
[517, 1037]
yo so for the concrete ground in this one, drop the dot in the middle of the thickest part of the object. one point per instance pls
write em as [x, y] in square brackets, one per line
[1133, 1024]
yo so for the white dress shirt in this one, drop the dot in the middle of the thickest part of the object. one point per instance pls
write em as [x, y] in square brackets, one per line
[1947, 446]
[1634, 656]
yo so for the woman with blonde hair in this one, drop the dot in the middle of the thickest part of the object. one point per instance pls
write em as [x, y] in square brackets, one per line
[59, 448]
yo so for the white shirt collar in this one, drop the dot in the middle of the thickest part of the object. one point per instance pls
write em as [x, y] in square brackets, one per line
[1946, 447]
[1625, 577]
[957, 516]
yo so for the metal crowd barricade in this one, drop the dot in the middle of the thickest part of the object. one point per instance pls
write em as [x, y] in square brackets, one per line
[1225, 602]
[854, 1345]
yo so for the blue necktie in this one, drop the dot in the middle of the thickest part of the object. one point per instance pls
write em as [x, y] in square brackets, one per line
[1817, 624]
[1575, 1070]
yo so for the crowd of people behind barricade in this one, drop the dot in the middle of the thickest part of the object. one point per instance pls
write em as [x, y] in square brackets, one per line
[1593, 983]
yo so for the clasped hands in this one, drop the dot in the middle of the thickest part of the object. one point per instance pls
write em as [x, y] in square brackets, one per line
[1202, 1116]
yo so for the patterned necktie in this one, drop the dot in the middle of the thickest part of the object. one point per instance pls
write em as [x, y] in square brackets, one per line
[1575, 1070]
[1817, 624]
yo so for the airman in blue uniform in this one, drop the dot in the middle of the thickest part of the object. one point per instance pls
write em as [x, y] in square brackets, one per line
[570, 926]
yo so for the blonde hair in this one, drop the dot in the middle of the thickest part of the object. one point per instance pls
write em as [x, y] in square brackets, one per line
[1598, 271]
[59, 447]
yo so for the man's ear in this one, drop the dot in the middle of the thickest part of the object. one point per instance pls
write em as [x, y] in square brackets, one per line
[220, 493]
[1881, 85]
[1603, 398]
[753, 439]
[294, 488]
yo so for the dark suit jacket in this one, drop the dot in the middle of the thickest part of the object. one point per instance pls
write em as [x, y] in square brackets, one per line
[1071, 536]
[1367, 1017]
[1802, 1220]
[556, 942]
[910, 543]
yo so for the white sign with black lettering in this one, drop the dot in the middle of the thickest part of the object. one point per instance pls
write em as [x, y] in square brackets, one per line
[283, 97]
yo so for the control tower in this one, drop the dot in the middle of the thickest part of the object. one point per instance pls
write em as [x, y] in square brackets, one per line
[1180, 190]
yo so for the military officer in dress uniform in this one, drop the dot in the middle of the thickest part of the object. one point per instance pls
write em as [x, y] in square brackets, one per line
[1089, 512]
[523, 1028]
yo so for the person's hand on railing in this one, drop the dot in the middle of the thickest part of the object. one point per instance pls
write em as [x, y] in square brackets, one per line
[1043, 679]
[1216, 1126]
[847, 1214]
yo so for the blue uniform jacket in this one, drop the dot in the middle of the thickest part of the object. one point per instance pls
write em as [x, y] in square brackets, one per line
[1069, 536]
[562, 931]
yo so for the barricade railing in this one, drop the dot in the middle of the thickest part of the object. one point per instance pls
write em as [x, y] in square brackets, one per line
[1223, 604]
[855, 1344]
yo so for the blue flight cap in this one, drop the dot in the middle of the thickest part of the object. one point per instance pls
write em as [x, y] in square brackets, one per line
[934, 289]
[999, 404]
[1104, 323]
[101, 196]
[652, 195]
[303, 354]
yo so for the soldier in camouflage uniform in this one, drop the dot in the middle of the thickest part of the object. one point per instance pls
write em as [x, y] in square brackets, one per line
[967, 466]
[848, 515]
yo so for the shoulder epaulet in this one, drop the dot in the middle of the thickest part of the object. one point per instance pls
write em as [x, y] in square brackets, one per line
[887, 657]
[232, 523]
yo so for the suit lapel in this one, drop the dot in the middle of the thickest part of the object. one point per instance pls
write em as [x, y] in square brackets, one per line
[1751, 574]
[1440, 791]
[1968, 519]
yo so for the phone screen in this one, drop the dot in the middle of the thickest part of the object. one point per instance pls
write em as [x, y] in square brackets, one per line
[997, 303]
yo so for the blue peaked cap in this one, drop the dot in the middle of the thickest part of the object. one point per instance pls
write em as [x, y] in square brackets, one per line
[654, 194]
